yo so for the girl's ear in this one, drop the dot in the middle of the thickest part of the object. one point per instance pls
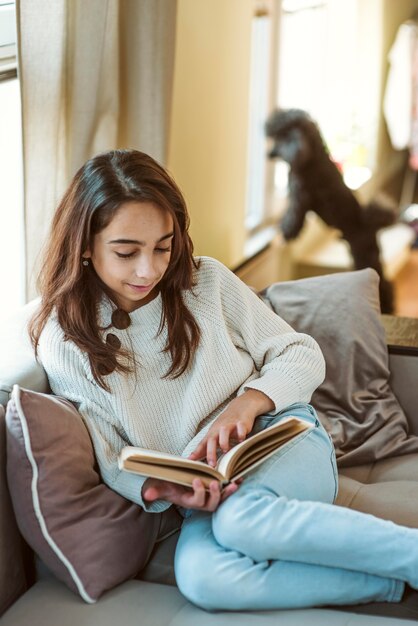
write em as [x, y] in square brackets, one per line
[86, 254]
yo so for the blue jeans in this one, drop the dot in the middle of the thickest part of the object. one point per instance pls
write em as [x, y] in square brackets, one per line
[280, 542]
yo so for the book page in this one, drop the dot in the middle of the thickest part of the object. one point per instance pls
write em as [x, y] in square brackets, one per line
[163, 462]
[180, 475]
[260, 446]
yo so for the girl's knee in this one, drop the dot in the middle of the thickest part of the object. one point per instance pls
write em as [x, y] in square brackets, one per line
[201, 565]
[195, 581]
[235, 521]
[205, 574]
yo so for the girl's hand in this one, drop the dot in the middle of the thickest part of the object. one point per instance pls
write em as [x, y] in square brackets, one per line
[236, 421]
[195, 498]
[227, 426]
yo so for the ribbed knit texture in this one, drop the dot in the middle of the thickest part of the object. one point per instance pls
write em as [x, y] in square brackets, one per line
[243, 345]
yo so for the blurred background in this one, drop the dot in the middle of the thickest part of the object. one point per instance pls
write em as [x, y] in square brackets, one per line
[192, 82]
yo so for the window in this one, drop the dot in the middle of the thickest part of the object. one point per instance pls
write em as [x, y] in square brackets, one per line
[263, 204]
[327, 63]
[259, 77]
[12, 272]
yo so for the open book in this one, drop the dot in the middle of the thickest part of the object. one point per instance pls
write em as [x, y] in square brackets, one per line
[231, 466]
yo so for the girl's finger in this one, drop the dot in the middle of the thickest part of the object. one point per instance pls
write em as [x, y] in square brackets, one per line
[212, 446]
[197, 499]
[199, 452]
[229, 490]
[151, 494]
[241, 430]
[224, 434]
[214, 496]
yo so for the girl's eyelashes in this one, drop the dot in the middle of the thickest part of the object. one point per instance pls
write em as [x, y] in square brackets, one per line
[124, 256]
[131, 254]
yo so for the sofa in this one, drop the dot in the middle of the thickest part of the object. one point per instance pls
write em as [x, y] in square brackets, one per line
[368, 404]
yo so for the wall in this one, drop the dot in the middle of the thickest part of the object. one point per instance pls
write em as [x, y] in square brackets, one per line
[208, 141]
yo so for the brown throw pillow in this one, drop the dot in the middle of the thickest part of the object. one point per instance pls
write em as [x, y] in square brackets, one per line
[89, 536]
[355, 403]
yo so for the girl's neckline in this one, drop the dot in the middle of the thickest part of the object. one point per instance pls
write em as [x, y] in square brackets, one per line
[148, 308]
[148, 311]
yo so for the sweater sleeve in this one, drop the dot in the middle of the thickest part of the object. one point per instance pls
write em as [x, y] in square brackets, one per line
[69, 376]
[288, 365]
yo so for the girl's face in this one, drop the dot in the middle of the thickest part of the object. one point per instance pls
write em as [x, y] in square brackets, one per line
[132, 253]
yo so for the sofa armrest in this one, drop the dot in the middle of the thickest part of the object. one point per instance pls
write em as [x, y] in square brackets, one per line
[402, 340]
[17, 362]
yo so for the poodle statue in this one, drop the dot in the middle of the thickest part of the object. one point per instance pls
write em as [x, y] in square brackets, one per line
[316, 184]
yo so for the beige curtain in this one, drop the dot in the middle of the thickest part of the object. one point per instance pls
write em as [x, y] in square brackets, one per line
[94, 75]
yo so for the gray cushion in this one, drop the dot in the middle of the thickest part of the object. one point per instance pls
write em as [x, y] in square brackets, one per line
[355, 403]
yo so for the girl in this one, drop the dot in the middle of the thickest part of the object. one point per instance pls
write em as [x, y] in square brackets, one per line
[164, 351]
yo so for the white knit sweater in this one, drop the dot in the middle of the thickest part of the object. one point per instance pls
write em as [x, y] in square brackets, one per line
[243, 345]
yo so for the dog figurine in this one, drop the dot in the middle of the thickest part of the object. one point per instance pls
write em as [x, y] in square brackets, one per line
[316, 184]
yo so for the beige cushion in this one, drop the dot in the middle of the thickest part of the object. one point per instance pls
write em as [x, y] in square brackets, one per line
[12, 572]
[387, 489]
[90, 537]
[355, 403]
[396, 501]
[400, 468]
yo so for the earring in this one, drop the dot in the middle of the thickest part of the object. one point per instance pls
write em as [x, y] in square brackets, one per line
[85, 262]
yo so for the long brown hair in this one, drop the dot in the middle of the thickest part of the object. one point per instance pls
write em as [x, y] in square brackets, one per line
[96, 192]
